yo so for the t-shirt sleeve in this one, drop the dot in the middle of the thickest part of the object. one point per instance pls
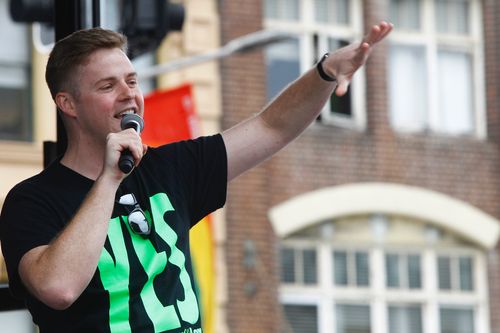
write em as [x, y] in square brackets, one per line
[25, 223]
[202, 165]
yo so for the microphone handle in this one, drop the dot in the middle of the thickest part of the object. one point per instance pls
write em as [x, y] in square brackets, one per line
[126, 162]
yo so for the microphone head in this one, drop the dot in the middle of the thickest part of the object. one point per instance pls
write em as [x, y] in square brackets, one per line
[132, 121]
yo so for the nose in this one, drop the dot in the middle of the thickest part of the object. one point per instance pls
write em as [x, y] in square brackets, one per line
[127, 92]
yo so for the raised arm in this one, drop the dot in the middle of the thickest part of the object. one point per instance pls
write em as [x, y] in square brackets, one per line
[258, 138]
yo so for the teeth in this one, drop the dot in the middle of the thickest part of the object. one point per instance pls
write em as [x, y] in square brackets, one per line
[129, 111]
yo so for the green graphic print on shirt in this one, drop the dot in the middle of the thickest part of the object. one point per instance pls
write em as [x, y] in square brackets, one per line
[117, 277]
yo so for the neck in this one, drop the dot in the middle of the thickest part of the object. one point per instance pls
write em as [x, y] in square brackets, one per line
[84, 158]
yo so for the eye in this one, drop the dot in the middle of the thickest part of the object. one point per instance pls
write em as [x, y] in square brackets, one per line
[132, 82]
[106, 86]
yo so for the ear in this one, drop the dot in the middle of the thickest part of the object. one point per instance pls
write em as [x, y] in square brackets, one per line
[66, 103]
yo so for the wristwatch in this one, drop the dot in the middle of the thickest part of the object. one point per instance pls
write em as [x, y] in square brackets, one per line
[322, 73]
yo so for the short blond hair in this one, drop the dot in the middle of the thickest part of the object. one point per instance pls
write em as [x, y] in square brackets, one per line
[72, 51]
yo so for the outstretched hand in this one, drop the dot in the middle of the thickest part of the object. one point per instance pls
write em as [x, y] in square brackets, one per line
[344, 62]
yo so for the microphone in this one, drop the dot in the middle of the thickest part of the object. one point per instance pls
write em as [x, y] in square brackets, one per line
[126, 162]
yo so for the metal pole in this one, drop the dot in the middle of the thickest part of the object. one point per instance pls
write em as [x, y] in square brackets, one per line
[68, 16]
[96, 13]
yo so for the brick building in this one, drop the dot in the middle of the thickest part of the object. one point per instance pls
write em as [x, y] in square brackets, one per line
[383, 215]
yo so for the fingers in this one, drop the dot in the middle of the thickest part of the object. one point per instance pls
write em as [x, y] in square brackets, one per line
[132, 141]
[362, 53]
[125, 140]
[386, 30]
[342, 87]
[378, 32]
[375, 35]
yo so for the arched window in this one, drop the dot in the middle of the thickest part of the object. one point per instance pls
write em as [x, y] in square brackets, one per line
[372, 268]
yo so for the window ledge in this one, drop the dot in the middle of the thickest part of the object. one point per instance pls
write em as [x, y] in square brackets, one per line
[21, 152]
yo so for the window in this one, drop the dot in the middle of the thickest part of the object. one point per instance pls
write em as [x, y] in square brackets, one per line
[298, 266]
[282, 9]
[15, 93]
[283, 66]
[456, 320]
[455, 273]
[351, 268]
[405, 319]
[403, 271]
[345, 275]
[336, 12]
[303, 318]
[352, 318]
[435, 67]
[320, 26]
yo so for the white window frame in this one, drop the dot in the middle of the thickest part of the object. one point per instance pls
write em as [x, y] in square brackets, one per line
[305, 28]
[432, 41]
[326, 294]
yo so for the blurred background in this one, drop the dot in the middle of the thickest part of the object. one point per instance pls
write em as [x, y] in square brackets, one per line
[382, 217]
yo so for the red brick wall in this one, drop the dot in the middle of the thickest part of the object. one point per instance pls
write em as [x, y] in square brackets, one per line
[464, 168]
[491, 16]
[243, 86]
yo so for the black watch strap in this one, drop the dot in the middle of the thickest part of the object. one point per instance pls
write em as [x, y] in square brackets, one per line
[322, 73]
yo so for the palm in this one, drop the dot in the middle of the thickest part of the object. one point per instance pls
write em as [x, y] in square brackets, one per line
[347, 60]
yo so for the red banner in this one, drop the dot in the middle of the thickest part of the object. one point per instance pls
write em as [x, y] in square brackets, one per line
[170, 116]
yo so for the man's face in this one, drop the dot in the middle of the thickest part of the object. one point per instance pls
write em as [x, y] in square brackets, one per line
[106, 89]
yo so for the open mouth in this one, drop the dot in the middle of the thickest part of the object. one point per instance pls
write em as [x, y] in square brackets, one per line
[123, 113]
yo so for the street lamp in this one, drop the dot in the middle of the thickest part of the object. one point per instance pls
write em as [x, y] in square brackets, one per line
[241, 44]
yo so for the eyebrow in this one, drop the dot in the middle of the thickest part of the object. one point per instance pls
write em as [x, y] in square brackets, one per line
[113, 78]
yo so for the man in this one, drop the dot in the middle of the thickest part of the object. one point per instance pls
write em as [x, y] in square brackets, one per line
[92, 249]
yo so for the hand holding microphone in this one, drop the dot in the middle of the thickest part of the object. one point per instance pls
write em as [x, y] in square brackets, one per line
[127, 162]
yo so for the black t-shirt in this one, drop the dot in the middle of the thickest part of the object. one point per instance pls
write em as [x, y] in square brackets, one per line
[142, 283]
